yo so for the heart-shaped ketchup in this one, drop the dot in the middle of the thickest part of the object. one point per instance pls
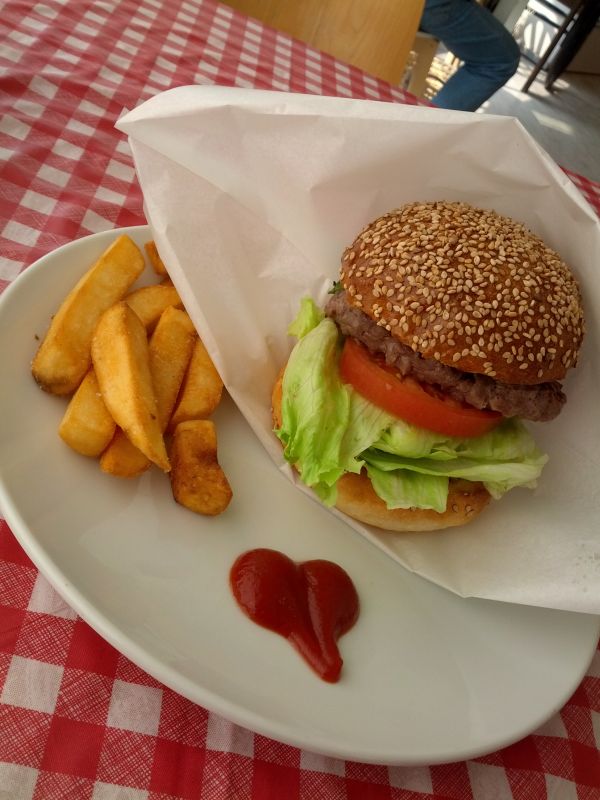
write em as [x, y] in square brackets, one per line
[311, 604]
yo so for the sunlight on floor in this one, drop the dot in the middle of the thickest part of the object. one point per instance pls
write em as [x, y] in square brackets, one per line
[565, 121]
[552, 122]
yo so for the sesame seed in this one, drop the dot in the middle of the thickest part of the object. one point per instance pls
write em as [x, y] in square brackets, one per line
[448, 275]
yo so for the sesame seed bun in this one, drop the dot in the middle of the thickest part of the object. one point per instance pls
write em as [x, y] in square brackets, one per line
[469, 288]
[357, 498]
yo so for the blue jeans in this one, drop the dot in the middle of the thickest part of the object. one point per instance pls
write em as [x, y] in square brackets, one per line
[489, 53]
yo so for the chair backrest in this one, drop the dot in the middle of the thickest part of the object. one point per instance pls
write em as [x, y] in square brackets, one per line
[375, 35]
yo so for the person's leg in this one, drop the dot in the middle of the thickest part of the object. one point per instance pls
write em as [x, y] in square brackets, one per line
[476, 37]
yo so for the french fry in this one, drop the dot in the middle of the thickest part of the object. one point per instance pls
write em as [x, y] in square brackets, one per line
[87, 425]
[149, 302]
[154, 258]
[169, 353]
[170, 349]
[128, 390]
[63, 357]
[121, 361]
[201, 390]
[122, 458]
[197, 480]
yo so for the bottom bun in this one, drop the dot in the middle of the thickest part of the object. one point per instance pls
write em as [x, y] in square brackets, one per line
[357, 498]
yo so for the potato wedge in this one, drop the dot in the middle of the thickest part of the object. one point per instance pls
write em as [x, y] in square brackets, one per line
[157, 263]
[197, 480]
[149, 302]
[170, 352]
[122, 458]
[63, 357]
[201, 390]
[87, 425]
[122, 365]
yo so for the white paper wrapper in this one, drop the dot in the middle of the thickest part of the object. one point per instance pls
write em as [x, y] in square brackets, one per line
[252, 197]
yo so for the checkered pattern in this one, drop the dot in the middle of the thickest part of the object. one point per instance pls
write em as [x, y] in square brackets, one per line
[77, 719]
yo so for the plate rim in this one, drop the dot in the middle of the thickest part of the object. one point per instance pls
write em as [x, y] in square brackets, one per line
[192, 690]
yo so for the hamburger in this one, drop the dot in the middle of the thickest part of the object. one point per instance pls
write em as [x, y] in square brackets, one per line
[404, 401]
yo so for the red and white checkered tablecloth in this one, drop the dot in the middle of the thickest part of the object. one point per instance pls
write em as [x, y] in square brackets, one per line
[77, 719]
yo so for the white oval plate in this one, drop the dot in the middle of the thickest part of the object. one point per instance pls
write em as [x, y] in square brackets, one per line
[428, 677]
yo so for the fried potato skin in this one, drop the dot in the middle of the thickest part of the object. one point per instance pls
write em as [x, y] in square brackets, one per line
[201, 390]
[121, 361]
[197, 480]
[149, 302]
[125, 356]
[63, 357]
[87, 426]
[122, 458]
[169, 353]
[153, 256]
[170, 350]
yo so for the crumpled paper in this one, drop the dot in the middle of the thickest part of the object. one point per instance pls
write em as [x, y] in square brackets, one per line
[253, 195]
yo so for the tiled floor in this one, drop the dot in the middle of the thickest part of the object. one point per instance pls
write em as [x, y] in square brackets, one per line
[565, 122]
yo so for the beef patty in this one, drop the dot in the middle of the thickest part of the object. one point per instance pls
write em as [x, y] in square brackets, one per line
[538, 402]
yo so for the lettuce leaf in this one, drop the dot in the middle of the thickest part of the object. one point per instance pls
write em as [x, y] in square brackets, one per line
[307, 318]
[329, 429]
[402, 488]
[326, 425]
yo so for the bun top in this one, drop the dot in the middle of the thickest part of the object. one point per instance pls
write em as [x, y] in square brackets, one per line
[470, 288]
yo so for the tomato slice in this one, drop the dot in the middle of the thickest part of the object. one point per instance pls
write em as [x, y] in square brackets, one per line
[406, 398]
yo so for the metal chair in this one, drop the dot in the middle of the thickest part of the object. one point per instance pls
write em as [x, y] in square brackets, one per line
[570, 35]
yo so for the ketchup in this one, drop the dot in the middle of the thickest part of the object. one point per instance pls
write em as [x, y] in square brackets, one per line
[311, 604]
